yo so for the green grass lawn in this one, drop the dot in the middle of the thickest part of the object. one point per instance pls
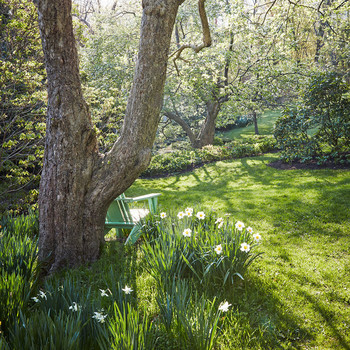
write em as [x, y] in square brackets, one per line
[266, 124]
[299, 290]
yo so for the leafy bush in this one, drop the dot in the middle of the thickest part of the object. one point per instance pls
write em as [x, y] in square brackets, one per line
[320, 127]
[22, 101]
[181, 160]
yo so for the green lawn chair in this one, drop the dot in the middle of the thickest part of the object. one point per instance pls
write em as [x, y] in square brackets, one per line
[120, 216]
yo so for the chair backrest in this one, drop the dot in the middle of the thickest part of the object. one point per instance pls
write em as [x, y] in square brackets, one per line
[119, 211]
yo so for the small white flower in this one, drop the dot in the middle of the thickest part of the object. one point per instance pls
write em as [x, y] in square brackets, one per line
[224, 306]
[99, 316]
[257, 237]
[103, 293]
[245, 247]
[218, 249]
[200, 215]
[35, 299]
[187, 232]
[249, 229]
[127, 290]
[239, 225]
[181, 215]
[42, 295]
[74, 307]
[163, 215]
[219, 220]
[189, 212]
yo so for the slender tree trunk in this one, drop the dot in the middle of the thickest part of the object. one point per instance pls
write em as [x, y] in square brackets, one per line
[176, 118]
[255, 120]
[78, 183]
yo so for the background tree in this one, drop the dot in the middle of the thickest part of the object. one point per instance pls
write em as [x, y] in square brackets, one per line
[244, 71]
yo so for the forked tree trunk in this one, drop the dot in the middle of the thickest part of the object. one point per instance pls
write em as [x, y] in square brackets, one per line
[77, 183]
[207, 132]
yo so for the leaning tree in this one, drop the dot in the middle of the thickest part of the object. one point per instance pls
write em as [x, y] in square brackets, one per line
[78, 183]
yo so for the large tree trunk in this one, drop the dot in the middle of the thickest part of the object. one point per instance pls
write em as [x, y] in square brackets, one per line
[78, 183]
[207, 131]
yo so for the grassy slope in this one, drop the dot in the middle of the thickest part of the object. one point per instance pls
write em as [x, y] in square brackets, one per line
[265, 124]
[300, 289]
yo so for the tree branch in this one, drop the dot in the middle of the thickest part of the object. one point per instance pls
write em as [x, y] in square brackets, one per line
[206, 36]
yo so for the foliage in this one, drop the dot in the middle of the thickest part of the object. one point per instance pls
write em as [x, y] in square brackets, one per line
[22, 106]
[107, 76]
[127, 331]
[325, 110]
[169, 254]
[182, 160]
[18, 269]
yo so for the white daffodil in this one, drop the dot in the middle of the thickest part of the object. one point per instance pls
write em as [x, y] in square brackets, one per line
[99, 316]
[257, 237]
[189, 212]
[224, 306]
[219, 220]
[36, 299]
[239, 225]
[218, 249]
[127, 290]
[75, 306]
[187, 232]
[42, 295]
[181, 215]
[245, 247]
[162, 215]
[103, 293]
[249, 229]
[200, 215]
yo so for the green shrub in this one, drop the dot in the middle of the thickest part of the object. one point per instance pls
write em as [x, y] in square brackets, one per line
[320, 127]
[182, 160]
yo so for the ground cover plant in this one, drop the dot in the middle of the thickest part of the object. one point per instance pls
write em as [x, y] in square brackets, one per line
[294, 296]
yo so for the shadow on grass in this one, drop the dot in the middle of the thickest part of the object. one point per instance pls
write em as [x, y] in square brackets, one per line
[327, 317]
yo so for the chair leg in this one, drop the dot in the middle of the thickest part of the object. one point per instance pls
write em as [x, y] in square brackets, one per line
[134, 235]
[152, 203]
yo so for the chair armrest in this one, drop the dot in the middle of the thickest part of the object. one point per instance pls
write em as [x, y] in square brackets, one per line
[143, 198]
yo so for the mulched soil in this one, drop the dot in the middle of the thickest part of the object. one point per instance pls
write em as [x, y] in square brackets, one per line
[312, 165]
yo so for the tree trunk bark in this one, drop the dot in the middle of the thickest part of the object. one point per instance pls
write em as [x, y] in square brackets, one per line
[77, 183]
[176, 118]
[255, 120]
[207, 131]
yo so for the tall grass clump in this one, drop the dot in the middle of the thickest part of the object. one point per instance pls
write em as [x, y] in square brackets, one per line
[18, 267]
[127, 330]
[187, 319]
